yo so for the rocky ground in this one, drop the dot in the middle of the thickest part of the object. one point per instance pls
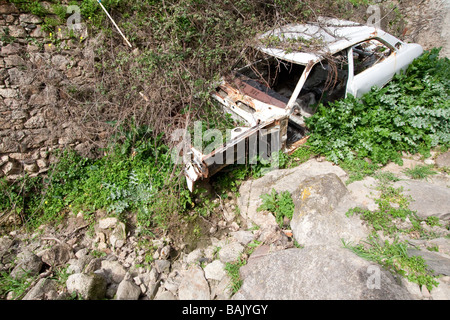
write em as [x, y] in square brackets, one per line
[102, 258]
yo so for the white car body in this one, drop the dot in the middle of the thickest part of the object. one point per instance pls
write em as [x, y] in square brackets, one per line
[368, 57]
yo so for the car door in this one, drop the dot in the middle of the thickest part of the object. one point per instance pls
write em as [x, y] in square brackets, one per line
[373, 63]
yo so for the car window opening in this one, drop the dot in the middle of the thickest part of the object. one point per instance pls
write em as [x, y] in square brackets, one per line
[369, 53]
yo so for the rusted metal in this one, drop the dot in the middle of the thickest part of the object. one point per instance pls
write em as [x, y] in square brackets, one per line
[297, 145]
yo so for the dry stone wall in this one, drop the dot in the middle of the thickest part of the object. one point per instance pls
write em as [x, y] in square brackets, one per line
[42, 77]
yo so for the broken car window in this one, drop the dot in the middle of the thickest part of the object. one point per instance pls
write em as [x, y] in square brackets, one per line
[368, 53]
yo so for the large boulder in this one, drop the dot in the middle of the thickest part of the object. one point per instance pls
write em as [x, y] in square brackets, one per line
[318, 273]
[319, 214]
[280, 180]
[427, 199]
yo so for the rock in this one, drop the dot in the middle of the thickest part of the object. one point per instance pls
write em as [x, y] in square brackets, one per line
[152, 289]
[243, 237]
[114, 270]
[6, 249]
[28, 264]
[172, 284]
[321, 203]
[107, 223]
[230, 252]
[443, 160]
[223, 291]
[413, 289]
[81, 253]
[194, 256]
[215, 270]
[118, 237]
[193, 285]
[35, 122]
[58, 255]
[38, 32]
[11, 167]
[60, 62]
[90, 286]
[162, 265]
[318, 273]
[17, 31]
[165, 295]
[165, 252]
[439, 263]
[8, 93]
[280, 180]
[39, 291]
[442, 291]
[128, 290]
[10, 49]
[435, 203]
[399, 170]
[8, 8]
[364, 193]
[30, 18]
[111, 290]
[30, 167]
[79, 265]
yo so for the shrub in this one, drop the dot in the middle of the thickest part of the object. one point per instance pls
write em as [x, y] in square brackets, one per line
[409, 114]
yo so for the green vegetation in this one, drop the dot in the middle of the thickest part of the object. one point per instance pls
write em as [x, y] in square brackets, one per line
[135, 175]
[280, 204]
[232, 269]
[420, 172]
[394, 256]
[393, 206]
[299, 156]
[410, 114]
[357, 169]
[18, 286]
[392, 210]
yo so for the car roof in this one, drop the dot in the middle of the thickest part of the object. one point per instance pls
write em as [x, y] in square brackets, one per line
[330, 36]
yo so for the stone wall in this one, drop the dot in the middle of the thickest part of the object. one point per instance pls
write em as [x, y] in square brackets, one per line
[43, 78]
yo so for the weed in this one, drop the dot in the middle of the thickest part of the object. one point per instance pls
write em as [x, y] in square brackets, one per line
[280, 204]
[394, 256]
[252, 246]
[434, 248]
[232, 269]
[17, 286]
[409, 114]
[358, 169]
[6, 37]
[299, 156]
[420, 172]
[392, 205]
[384, 178]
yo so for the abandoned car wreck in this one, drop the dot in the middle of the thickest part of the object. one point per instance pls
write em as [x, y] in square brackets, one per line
[281, 80]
